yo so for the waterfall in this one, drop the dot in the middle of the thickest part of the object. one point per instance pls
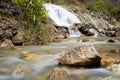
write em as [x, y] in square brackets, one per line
[62, 17]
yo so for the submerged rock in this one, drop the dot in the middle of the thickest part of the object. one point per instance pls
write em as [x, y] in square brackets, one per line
[58, 74]
[84, 55]
[107, 60]
[85, 29]
[114, 68]
[20, 71]
[4, 71]
[29, 56]
[112, 41]
[109, 78]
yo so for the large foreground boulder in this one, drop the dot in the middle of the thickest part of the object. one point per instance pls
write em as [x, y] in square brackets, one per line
[84, 55]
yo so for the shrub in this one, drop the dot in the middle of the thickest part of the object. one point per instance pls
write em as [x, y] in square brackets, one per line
[34, 16]
[32, 10]
[107, 7]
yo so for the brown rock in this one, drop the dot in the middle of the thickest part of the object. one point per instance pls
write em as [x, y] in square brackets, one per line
[58, 74]
[84, 55]
[4, 71]
[109, 78]
[114, 68]
[107, 60]
[101, 35]
[112, 41]
[60, 36]
[18, 38]
[7, 43]
[9, 34]
[117, 33]
[85, 40]
[20, 70]
[110, 33]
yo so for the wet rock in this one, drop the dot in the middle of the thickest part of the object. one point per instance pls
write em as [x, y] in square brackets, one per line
[107, 60]
[58, 74]
[112, 41]
[85, 29]
[84, 55]
[20, 71]
[117, 33]
[114, 68]
[62, 32]
[18, 38]
[4, 71]
[74, 77]
[115, 51]
[29, 56]
[83, 40]
[109, 78]
[60, 36]
[62, 29]
[7, 43]
[110, 33]
[101, 35]
[78, 25]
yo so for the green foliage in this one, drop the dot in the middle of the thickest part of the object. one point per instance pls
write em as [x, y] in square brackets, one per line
[106, 7]
[100, 5]
[34, 16]
[38, 35]
[64, 3]
[33, 10]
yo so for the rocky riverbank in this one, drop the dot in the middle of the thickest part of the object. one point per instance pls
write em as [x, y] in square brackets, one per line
[14, 33]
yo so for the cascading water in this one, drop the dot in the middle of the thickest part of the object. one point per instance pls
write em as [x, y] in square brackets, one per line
[62, 17]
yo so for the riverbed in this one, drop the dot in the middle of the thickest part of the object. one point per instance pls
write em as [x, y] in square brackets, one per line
[37, 62]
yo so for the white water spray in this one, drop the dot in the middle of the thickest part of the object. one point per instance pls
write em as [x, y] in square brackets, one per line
[62, 17]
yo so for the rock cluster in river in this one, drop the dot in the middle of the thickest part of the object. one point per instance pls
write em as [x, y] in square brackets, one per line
[84, 55]
[92, 23]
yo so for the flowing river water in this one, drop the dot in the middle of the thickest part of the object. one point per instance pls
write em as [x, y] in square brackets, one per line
[37, 62]
[15, 66]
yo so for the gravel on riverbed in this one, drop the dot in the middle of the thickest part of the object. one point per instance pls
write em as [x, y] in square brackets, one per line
[110, 78]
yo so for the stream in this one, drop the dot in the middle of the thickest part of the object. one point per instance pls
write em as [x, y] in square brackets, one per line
[14, 66]
[37, 62]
